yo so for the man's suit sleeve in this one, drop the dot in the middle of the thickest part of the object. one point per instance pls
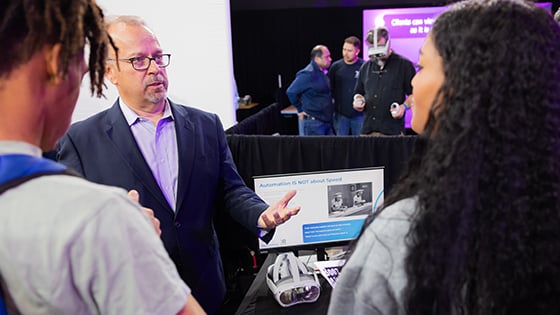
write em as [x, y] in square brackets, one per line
[67, 154]
[240, 201]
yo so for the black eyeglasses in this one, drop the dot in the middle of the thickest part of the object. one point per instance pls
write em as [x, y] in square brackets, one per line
[143, 62]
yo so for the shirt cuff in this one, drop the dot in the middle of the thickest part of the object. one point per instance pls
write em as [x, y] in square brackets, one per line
[262, 232]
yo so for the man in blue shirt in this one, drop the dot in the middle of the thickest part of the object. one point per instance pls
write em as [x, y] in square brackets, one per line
[310, 93]
[343, 75]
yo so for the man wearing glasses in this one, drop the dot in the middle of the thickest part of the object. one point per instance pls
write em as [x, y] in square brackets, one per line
[175, 156]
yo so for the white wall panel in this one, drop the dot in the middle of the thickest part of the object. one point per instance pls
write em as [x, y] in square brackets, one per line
[198, 35]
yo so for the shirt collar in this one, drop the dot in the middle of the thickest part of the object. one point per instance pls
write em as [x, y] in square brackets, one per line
[18, 147]
[131, 117]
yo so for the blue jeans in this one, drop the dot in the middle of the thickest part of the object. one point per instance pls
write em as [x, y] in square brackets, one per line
[316, 128]
[345, 126]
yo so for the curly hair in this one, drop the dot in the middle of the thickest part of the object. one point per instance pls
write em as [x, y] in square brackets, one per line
[485, 237]
[27, 25]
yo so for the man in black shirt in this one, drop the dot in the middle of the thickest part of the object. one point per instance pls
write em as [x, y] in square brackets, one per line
[343, 75]
[383, 80]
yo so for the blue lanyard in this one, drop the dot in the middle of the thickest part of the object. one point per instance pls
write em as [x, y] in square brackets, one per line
[14, 166]
[3, 310]
[17, 166]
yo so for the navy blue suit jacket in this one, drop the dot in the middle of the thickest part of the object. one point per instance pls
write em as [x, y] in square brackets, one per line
[102, 148]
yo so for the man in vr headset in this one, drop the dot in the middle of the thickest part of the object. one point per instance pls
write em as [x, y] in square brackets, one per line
[379, 45]
[383, 80]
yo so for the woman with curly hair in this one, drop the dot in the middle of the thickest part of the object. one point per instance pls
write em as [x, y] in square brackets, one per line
[473, 227]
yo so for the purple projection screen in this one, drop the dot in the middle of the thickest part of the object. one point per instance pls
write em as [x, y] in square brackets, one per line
[408, 28]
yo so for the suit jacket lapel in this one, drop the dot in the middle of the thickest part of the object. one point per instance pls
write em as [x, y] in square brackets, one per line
[119, 132]
[185, 149]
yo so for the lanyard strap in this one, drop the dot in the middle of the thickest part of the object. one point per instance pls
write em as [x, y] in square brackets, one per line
[16, 169]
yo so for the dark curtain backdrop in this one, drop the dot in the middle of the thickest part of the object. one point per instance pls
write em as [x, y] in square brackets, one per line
[267, 42]
[257, 155]
[237, 5]
[317, 4]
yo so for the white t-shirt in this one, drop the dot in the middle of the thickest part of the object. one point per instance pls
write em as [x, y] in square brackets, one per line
[68, 246]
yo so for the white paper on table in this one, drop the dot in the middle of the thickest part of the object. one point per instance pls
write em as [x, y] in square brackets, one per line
[330, 269]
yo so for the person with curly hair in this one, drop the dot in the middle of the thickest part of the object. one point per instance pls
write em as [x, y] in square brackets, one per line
[473, 225]
[68, 246]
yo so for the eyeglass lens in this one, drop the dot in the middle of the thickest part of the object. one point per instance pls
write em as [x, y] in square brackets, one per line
[144, 63]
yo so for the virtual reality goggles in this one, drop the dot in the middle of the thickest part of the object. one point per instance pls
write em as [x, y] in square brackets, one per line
[376, 50]
[291, 281]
